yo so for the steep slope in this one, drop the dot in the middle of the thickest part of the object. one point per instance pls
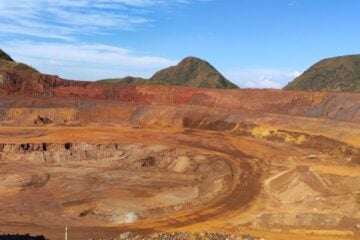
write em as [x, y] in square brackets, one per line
[333, 74]
[18, 78]
[192, 72]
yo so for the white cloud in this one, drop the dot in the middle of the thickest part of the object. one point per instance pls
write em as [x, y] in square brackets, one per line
[63, 24]
[85, 61]
[261, 77]
[296, 74]
[64, 19]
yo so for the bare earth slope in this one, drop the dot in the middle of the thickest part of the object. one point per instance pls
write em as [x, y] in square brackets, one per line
[106, 159]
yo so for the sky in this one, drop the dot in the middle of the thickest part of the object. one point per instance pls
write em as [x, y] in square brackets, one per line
[254, 43]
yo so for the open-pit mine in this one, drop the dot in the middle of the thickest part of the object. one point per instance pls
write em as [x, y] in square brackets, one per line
[106, 158]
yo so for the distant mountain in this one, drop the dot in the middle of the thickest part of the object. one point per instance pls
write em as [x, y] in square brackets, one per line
[128, 79]
[20, 78]
[192, 72]
[332, 74]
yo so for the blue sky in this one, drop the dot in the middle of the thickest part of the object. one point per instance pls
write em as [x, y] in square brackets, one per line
[254, 43]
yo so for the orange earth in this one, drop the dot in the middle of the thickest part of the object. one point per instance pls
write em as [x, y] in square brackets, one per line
[274, 164]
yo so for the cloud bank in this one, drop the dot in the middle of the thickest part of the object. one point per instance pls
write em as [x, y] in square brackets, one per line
[261, 77]
[49, 35]
[85, 61]
[65, 19]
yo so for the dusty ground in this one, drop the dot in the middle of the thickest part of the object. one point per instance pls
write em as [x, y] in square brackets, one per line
[194, 181]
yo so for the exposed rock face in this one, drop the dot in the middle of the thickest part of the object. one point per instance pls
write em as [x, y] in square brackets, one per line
[18, 78]
[333, 74]
[192, 72]
[85, 104]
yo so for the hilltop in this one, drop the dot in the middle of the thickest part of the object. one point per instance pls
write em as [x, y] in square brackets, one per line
[19, 78]
[332, 74]
[192, 72]
[5, 56]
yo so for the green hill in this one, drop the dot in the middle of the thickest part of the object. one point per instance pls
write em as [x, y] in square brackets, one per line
[332, 74]
[192, 72]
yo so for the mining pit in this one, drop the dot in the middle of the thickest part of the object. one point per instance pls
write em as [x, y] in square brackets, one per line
[283, 167]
